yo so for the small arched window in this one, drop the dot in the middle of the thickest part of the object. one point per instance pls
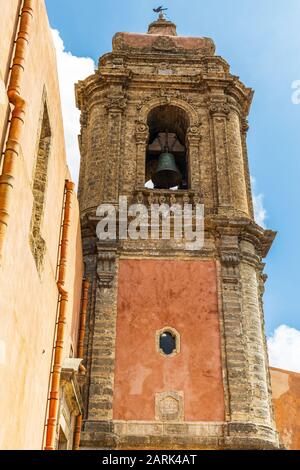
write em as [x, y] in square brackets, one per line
[168, 342]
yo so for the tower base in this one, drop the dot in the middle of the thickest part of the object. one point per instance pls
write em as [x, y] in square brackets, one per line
[154, 435]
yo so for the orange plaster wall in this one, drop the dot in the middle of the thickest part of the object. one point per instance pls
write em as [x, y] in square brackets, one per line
[286, 401]
[181, 294]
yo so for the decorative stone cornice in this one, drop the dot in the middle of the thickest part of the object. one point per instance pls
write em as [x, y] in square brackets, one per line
[240, 94]
[245, 228]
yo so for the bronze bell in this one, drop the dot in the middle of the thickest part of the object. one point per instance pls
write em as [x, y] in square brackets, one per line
[167, 174]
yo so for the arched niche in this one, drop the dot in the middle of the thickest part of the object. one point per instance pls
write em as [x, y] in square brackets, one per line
[189, 135]
[168, 126]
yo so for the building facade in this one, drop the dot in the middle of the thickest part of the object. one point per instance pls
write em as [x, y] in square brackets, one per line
[172, 338]
[154, 95]
[41, 266]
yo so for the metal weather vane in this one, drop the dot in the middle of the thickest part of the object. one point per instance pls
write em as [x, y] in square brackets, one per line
[160, 10]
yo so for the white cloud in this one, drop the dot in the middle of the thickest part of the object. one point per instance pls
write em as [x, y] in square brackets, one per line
[71, 69]
[284, 348]
[260, 213]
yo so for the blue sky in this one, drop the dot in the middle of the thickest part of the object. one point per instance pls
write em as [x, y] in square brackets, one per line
[261, 41]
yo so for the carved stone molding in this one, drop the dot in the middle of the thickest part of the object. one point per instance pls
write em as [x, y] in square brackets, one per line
[106, 268]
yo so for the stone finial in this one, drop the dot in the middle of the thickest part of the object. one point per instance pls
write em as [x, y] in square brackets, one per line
[162, 27]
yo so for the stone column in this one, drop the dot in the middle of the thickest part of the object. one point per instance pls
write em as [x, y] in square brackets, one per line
[250, 409]
[244, 130]
[259, 398]
[115, 107]
[101, 377]
[141, 136]
[236, 356]
[261, 280]
[236, 165]
[219, 111]
[193, 140]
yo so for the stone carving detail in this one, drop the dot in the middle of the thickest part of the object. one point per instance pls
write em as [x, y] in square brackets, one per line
[173, 199]
[230, 259]
[145, 100]
[141, 132]
[106, 269]
[219, 108]
[193, 134]
[198, 198]
[116, 104]
[140, 198]
[165, 43]
[194, 130]
[230, 263]
[186, 198]
[169, 406]
[167, 95]
[245, 126]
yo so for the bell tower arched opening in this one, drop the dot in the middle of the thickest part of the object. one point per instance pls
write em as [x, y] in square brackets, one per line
[167, 152]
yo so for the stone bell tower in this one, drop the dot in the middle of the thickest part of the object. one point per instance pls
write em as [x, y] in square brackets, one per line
[175, 348]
